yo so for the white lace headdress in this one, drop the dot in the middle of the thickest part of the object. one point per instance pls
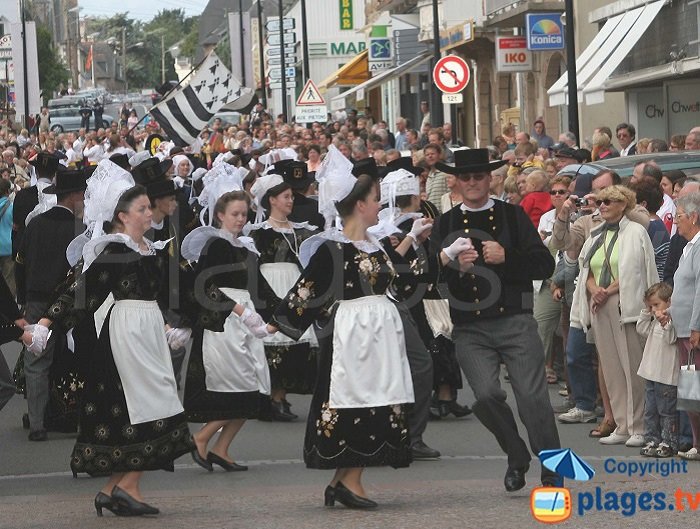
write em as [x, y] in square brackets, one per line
[219, 180]
[335, 182]
[261, 186]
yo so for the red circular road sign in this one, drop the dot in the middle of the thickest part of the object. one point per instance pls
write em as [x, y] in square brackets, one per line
[451, 74]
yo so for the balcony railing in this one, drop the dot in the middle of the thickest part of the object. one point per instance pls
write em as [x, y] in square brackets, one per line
[494, 6]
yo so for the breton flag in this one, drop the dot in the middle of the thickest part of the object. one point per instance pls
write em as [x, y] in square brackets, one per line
[186, 111]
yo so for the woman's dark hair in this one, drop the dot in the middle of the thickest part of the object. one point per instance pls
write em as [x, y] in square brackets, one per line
[123, 204]
[314, 147]
[404, 201]
[273, 192]
[224, 201]
[674, 175]
[360, 191]
[648, 190]
[4, 187]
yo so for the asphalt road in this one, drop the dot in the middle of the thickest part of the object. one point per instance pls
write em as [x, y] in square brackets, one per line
[462, 490]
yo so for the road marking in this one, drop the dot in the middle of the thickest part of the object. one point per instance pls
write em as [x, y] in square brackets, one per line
[280, 462]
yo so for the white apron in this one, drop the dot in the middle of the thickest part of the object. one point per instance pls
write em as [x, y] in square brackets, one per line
[101, 313]
[369, 367]
[282, 277]
[437, 312]
[142, 357]
[234, 360]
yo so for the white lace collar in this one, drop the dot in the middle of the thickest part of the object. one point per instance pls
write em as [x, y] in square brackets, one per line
[158, 225]
[309, 246]
[196, 240]
[489, 204]
[265, 225]
[94, 247]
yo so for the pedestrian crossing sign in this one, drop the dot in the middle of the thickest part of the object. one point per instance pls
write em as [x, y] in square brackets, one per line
[310, 95]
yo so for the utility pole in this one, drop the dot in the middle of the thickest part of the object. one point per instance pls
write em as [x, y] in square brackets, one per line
[263, 88]
[126, 81]
[242, 40]
[284, 73]
[24, 64]
[304, 42]
[436, 110]
[571, 69]
[162, 59]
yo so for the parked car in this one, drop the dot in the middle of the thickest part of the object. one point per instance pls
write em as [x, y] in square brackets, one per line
[227, 118]
[68, 119]
[686, 161]
[66, 102]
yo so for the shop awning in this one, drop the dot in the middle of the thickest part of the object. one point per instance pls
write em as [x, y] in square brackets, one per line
[353, 72]
[604, 54]
[386, 75]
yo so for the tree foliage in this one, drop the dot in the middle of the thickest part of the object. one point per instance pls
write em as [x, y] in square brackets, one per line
[143, 42]
[53, 74]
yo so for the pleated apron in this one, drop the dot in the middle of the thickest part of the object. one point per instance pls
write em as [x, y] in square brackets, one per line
[234, 360]
[282, 277]
[142, 357]
[370, 367]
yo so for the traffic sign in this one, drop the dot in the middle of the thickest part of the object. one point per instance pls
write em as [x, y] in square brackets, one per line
[277, 61]
[289, 51]
[273, 24]
[451, 74]
[277, 85]
[452, 99]
[309, 114]
[276, 73]
[310, 96]
[273, 39]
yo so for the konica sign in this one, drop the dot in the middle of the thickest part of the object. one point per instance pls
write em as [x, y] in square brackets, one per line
[545, 32]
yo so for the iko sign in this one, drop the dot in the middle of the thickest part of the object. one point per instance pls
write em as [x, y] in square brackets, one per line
[512, 55]
[545, 32]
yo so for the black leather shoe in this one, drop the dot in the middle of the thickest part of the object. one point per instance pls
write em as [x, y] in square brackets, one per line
[434, 413]
[279, 413]
[102, 501]
[329, 496]
[228, 467]
[451, 406]
[206, 465]
[288, 408]
[352, 500]
[25, 421]
[130, 505]
[552, 480]
[515, 478]
[38, 435]
[421, 451]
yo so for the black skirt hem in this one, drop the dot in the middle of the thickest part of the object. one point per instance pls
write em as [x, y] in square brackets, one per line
[386, 455]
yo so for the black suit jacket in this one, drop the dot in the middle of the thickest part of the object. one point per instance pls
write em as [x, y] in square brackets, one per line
[41, 263]
[25, 201]
[306, 210]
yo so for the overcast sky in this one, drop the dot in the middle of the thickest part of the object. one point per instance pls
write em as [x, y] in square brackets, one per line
[139, 9]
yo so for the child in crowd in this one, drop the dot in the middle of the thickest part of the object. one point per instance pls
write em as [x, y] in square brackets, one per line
[659, 367]
[536, 201]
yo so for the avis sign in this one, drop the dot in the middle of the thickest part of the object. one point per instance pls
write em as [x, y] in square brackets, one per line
[512, 54]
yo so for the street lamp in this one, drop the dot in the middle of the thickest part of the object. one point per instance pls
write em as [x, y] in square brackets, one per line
[75, 72]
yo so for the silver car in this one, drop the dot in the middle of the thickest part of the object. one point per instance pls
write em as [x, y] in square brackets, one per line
[68, 119]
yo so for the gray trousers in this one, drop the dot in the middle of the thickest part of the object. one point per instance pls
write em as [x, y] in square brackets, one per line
[36, 371]
[7, 384]
[421, 365]
[481, 347]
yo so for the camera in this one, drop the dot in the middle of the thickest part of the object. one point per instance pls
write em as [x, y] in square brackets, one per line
[581, 202]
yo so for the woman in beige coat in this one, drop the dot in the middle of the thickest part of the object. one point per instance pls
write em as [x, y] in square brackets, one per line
[616, 267]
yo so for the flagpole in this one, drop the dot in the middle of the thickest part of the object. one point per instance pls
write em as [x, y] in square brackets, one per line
[171, 91]
[92, 66]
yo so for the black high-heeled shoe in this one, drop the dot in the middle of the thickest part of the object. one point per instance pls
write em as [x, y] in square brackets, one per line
[206, 465]
[129, 504]
[228, 467]
[329, 496]
[352, 500]
[102, 501]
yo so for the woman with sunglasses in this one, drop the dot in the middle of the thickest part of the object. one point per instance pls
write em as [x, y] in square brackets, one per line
[547, 310]
[616, 267]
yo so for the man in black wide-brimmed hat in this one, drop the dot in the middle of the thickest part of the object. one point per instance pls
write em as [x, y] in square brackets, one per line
[41, 266]
[490, 253]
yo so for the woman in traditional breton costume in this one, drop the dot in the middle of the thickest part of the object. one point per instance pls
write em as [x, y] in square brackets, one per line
[227, 370]
[131, 418]
[357, 416]
[292, 363]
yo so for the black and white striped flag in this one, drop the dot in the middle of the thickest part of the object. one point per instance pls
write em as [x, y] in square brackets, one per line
[186, 111]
